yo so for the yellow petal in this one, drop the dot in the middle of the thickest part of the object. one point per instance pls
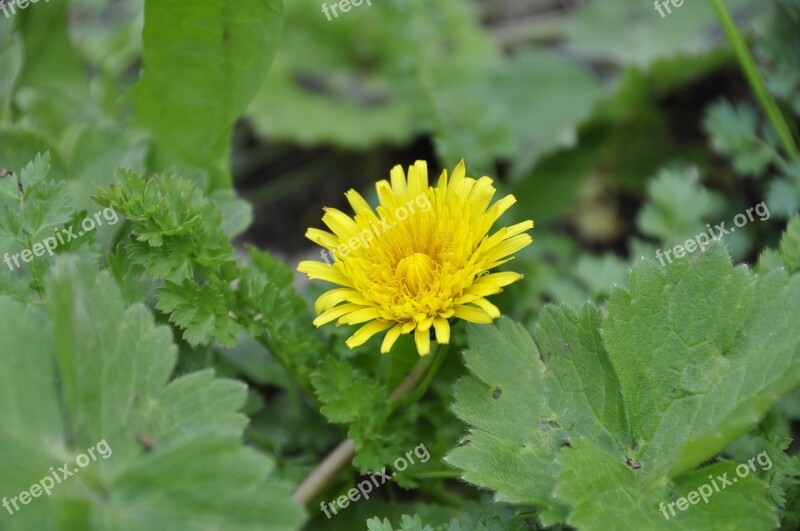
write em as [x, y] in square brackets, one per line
[508, 247]
[488, 307]
[480, 196]
[360, 316]
[390, 338]
[398, 180]
[323, 238]
[495, 279]
[335, 313]
[358, 203]
[417, 179]
[340, 223]
[331, 298]
[366, 332]
[323, 271]
[442, 328]
[472, 314]
[423, 340]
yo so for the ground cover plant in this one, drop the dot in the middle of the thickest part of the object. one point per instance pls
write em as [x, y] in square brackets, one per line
[399, 265]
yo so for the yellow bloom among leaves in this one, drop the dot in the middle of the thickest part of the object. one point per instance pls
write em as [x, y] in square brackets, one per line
[422, 257]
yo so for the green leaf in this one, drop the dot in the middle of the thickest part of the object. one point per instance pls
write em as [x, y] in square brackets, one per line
[788, 253]
[36, 205]
[605, 491]
[19, 146]
[790, 246]
[202, 64]
[200, 311]
[175, 227]
[98, 371]
[35, 172]
[52, 88]
[542, 112]
[783, 198]
[178, 235]
[688, 29]
[484, 515]
[678, 204]
[617, 408]
[733, 133]
[347, 398]
[407, 523]
[10, 66]
[237, 214]
[601, 273]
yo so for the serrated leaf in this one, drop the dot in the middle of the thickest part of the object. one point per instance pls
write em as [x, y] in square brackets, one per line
[99, 371]
[407, 523]
[175, 227]
[347, 397]
[605, 491]
[35, 172]
[684, 360]
[790, 246]
[200, 311]
[733, 132]
[677, 206]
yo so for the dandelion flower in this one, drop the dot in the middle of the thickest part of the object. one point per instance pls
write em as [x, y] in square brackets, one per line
[421, 258]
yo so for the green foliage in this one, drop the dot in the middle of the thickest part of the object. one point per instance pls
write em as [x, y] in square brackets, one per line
[476, 516]
[589, 418]
[177, 98]
[97, 370]
[683, 30]
[180, 236]
[788, 253]
[176, 227]
[407, 523]
[678, 205]
[361, 403]
[438, 74]
[733, 133]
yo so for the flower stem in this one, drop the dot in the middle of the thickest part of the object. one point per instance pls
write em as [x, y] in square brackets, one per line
[412, 389]
[754, 78]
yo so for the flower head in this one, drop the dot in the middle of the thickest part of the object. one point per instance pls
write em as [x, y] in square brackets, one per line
[421, 258]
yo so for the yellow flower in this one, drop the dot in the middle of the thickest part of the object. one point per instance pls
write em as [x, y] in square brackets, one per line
[422, 259]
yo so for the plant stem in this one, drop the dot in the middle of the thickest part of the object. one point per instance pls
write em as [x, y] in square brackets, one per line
[413, 388]
[754, 78]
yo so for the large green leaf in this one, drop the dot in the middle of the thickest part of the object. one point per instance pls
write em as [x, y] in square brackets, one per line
[616, 408]
[89, 370]
[202, 64]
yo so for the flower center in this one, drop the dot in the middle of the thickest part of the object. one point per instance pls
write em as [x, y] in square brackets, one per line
[418, 271]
